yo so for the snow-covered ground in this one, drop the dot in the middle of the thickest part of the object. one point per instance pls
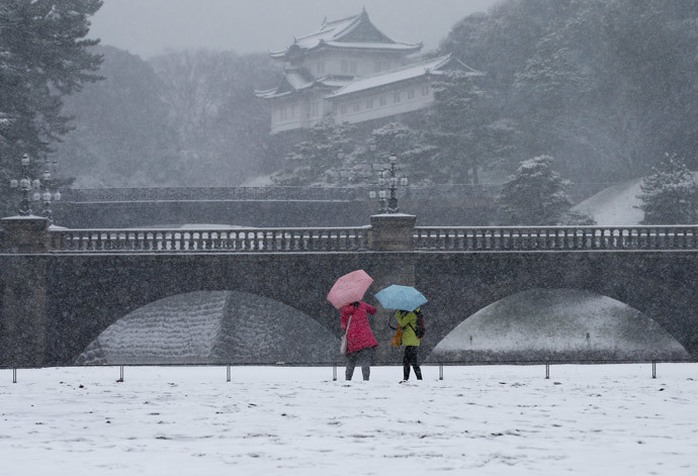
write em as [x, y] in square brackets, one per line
[494, 420]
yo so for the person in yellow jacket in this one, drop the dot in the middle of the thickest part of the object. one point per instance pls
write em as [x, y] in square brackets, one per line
[407, 320]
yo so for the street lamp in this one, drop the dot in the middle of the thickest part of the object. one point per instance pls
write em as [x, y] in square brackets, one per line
[388, 182]
[42, 189]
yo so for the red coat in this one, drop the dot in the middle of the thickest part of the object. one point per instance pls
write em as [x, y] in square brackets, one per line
[360, 335]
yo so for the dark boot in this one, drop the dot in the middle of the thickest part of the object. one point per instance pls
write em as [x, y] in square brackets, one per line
[418, 372]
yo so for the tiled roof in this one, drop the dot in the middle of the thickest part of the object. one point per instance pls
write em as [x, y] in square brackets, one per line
[295, 81]
[433, 66]
[338, 34]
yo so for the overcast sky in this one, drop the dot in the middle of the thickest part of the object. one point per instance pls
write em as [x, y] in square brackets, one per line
[150, 27]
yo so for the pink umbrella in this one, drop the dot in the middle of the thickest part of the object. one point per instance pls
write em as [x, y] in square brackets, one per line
[349, 288]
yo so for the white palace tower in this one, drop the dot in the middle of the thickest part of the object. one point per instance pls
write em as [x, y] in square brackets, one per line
[351, 69]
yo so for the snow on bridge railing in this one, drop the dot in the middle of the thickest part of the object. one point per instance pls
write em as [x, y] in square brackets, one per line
[555, 238]
[181, 240]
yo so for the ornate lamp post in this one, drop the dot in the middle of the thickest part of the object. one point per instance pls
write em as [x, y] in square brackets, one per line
[388, 182]
[42, 190]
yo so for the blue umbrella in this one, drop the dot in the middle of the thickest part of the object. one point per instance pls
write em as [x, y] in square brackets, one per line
[397, 296]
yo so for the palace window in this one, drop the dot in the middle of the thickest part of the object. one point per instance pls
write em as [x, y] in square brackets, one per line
[369, 103]
[314, 109]
[357, 106]
[382, 100]
[343, 109]
[425, 90]
[283, 113]
[396, 96]
[410, 93]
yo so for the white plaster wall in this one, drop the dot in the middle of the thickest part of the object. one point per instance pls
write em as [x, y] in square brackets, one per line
[355, 108]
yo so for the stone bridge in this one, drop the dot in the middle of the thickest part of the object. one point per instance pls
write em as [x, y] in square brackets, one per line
[62, 287]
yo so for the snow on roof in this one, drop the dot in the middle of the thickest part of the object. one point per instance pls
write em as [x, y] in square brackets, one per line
[297, 80]
[294, 82]
[372, 45]
[331, 33]
[402, 73]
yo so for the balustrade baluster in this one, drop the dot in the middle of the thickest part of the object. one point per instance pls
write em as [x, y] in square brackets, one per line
[131, 240]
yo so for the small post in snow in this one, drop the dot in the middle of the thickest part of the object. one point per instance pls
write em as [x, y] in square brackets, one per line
[14, 375]
[547, 371]
[121, 374]
[334, 373]
[654, 369]
[227, 373]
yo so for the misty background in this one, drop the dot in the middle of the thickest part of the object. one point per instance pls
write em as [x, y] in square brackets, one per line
[151, 27]
[603, 90]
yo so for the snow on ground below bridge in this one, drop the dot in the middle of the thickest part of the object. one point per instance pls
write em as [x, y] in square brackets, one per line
[492, 420]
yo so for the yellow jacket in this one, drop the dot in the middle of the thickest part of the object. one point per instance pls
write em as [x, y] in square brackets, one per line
[408, 323]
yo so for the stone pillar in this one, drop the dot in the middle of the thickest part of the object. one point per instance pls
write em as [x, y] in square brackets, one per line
[391, 233]
[24, 296]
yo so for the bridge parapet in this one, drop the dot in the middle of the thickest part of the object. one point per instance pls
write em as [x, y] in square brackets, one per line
[556, 238]
[238, 240]
[386, 233]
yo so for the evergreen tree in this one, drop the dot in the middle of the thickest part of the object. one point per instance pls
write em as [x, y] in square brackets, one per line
[537, 195]
[606, 85]
[455, 118]
[320, 159]
[407, 144]
[465, 130]
[670, 195]
[43, 56]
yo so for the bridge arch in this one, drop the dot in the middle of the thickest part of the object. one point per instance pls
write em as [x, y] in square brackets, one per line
[86, 294]
[659, 286]
[558, 325]
[205, 327]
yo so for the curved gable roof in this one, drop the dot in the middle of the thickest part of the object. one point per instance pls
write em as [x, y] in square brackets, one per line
[354, 31]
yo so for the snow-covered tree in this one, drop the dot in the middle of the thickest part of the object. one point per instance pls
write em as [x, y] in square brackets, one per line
[537, 195]
[320, 158]
[670, 194]
[407, 144]
[466, 131]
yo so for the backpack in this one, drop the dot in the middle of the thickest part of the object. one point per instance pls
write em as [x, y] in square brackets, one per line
[421, 328]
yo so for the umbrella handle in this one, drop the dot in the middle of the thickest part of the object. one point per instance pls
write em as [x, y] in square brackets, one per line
[389, 324]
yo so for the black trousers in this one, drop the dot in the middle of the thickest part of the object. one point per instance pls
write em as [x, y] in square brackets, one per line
[363, 357]
[411, 358]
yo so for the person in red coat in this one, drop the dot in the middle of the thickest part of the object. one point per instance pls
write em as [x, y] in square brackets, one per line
[360, 339]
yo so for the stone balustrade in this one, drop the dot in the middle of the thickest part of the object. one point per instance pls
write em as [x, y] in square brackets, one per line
[556, 238]
[182, 240]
